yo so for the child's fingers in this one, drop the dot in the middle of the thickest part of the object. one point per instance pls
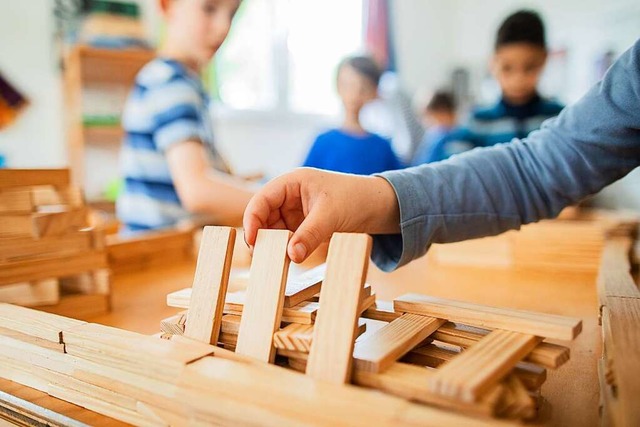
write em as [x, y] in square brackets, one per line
[314, 230]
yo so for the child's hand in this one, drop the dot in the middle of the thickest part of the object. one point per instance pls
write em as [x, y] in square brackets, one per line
[314, 204]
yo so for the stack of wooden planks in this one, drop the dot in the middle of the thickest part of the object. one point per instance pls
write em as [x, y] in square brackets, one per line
[473, 359]
[619, 366]
[145, 381]
[50, 256]
[574, 244]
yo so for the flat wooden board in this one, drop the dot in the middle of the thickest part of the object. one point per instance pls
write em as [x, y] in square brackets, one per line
[476, 370]
[304, 286]
[334, 332]
[38, 324]
[526, 322]
[262, 312]
[383, 348]
[614, 276]
[32, 177]
[210, 283]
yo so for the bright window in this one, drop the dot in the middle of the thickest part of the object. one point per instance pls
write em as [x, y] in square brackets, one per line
[282, 54]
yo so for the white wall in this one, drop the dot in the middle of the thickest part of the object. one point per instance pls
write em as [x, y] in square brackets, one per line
[27, 61]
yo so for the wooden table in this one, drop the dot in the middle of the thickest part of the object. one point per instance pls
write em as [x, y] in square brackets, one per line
[572, 391]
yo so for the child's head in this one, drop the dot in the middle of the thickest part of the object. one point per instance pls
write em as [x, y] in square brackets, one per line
[520, 55]
[197, 28]
[358, 78]
[441, 109]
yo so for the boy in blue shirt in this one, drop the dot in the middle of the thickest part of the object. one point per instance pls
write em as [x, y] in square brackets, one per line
[171, 167]
[519, 58]
[351, 149]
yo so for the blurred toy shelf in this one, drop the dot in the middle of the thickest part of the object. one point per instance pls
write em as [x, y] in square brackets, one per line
[96, 82]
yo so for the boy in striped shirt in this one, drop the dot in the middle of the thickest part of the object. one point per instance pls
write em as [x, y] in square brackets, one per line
[171, 167]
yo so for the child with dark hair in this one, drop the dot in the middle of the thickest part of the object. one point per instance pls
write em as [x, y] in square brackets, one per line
[520, 53]
[441, 119]
[350, 148]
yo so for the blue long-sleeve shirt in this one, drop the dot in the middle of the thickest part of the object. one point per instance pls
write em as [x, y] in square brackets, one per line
[591, 144]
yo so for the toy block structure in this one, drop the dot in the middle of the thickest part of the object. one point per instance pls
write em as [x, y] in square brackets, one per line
[469, 358]
[51, 256]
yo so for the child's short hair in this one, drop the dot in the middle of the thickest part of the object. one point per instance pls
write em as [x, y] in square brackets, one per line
[365, 66]
[524, 26]
[442, 100]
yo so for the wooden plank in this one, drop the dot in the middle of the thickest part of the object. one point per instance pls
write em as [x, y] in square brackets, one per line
[58, 223]
[137, 353]
[482, 366]
[262, 311]
[16, 226]
[15, 202]
[31, 294]
[382, 310]
[390, 343]
[304, 286]
[15, 248]
[623, 347]
[519, 405]
[331, 358]
[45, 268]
[32, 177]
[297, 337]
[210, 283]
[49, 195]
[433, 356]
[544, 354]
[174, 324]
[411, 382]
[31, 322]
[526, 322]
[614, 276]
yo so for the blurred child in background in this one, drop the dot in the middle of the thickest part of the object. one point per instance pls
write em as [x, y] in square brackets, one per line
[520, 54]
[350, 148]
[171, 167]
[440, 118]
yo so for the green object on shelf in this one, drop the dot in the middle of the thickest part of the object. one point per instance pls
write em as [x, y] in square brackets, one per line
[90, 120]
[114, 7]
[113, 189]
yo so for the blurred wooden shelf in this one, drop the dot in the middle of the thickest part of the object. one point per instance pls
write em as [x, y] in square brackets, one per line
[118, 66]
[108, 134]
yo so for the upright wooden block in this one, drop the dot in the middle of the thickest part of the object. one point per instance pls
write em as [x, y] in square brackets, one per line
[393, 341]
[262, 310]
[210, 284]
[334, 332]
[479, 368]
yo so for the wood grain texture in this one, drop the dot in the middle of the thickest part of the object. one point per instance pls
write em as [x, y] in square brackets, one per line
[382, 349]
[210, 283]
[479, 368]
[526, 322]
[262, 312]
[334, 332]
[614, 277]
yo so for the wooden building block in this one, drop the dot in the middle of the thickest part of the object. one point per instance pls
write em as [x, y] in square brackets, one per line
[262, 311]
[479, 368]
[32, 177]
[334, 332]
[15, 202]
[58, 223]
[304, 286]
[31, 294]
[53, 266]
[175, 324]
[130, 351]
[516, 402]
[298, 338]
[411, 382]
[614, 278]
[544, 354]
[16, 248]
[382, 310]
[387, 345]
[210, 283]
[526, 322]
[42, 325]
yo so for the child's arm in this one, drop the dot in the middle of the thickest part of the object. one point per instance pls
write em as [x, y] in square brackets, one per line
[486, 191]
[201, 189]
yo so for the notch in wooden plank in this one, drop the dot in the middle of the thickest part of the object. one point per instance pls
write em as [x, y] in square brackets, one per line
[262, 311]
[334, 333]
[526, 322]
[479, 368]
[382, 349]
[210, 284]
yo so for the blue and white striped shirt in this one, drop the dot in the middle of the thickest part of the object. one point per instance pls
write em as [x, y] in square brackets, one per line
[167, 105]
